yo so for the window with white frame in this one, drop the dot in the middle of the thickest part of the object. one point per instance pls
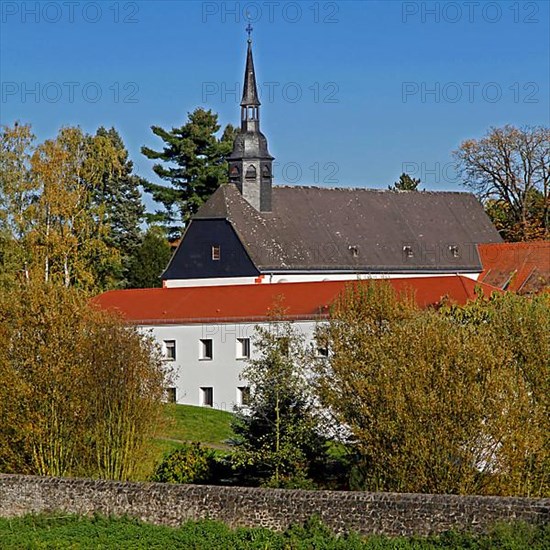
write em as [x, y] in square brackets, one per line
[321, 349]
[243, 348]
[206, 349]
[216, 252]
[283, 343]
[207, 397]
[171, 396]
[243, 396]
[169, 349]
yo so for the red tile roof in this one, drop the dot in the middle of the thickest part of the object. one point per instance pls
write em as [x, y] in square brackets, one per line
[253, 302]
[519, 267]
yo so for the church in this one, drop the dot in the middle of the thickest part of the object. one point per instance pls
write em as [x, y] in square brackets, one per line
[252, 232]
[218, 287]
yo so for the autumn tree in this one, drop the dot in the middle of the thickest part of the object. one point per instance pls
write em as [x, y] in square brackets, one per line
[17, 193]
[80, 392]
[193, 162]
[70, 207]
[276, 436]
[509, 170]
[68, 233]
[519, 328]
[435, 402]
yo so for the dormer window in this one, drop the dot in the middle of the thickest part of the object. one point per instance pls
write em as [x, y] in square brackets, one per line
[216, 252]
[354, 249]
[251, 172]
[408, 251]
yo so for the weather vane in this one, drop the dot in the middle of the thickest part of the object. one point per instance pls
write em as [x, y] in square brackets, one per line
[249, 30]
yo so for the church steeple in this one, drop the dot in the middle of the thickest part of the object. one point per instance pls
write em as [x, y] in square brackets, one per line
[250, 92]
[250, 164]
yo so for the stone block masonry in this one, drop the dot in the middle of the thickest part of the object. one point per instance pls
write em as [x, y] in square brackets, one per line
[365, 513]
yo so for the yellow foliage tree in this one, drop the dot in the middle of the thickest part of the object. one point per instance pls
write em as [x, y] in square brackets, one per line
[440, 402]
[68, 234]
[80, 392]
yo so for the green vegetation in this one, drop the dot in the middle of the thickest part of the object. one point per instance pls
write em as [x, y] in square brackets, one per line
[190, 463]
[278, 442]
[210, 427]
[80, 392]
[193, 163]
[188, 424]
[33, 532]
[448, 400]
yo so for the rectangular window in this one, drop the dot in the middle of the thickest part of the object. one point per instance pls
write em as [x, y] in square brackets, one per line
[284, 345]
[321, 346]
[322, 350]
[243, 396]
[216, 252]
[243, 348]
[171, 395]
[169, 350]
[206, 349]
[207, 397]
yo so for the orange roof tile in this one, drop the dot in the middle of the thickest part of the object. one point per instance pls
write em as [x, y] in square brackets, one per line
[519, 267]
[253, 302]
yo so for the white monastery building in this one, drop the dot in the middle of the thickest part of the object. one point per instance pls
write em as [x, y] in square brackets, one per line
[207, 333]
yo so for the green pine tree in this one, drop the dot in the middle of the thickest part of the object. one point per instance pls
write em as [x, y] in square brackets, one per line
[149, 260]
[405, 183]
[120, 197]
[193, 162]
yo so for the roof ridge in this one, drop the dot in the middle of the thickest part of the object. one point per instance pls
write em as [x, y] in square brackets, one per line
[371, 189]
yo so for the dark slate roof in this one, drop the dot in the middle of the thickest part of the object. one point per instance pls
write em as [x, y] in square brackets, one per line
[366, 230]
[250, 92]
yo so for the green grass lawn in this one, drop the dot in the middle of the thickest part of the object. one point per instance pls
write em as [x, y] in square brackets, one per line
[202, 424]
[186, 423]
[74, 532]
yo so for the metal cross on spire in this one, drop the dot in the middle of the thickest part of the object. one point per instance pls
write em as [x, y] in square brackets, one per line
[249, 30]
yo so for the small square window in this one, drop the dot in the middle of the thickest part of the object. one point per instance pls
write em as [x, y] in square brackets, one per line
[321, 350]
[207, 397]
[169, 350]
[408, 251]
[243, 396]
[206, 349]
[216, 252]
[171, 395]
[243, 348]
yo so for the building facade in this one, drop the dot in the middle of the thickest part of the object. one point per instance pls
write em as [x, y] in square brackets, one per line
[207, 334]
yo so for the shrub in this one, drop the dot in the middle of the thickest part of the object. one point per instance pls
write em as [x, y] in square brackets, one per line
[191, 463]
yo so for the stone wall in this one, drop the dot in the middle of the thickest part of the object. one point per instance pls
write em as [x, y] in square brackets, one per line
[389, 513]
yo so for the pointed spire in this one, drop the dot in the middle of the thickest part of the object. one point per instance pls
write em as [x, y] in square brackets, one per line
[250, 92]
[250, 164]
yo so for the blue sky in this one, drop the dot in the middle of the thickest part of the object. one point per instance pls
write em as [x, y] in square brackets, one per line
[353, 93]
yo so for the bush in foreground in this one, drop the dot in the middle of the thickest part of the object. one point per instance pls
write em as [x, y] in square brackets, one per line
[80, 391]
